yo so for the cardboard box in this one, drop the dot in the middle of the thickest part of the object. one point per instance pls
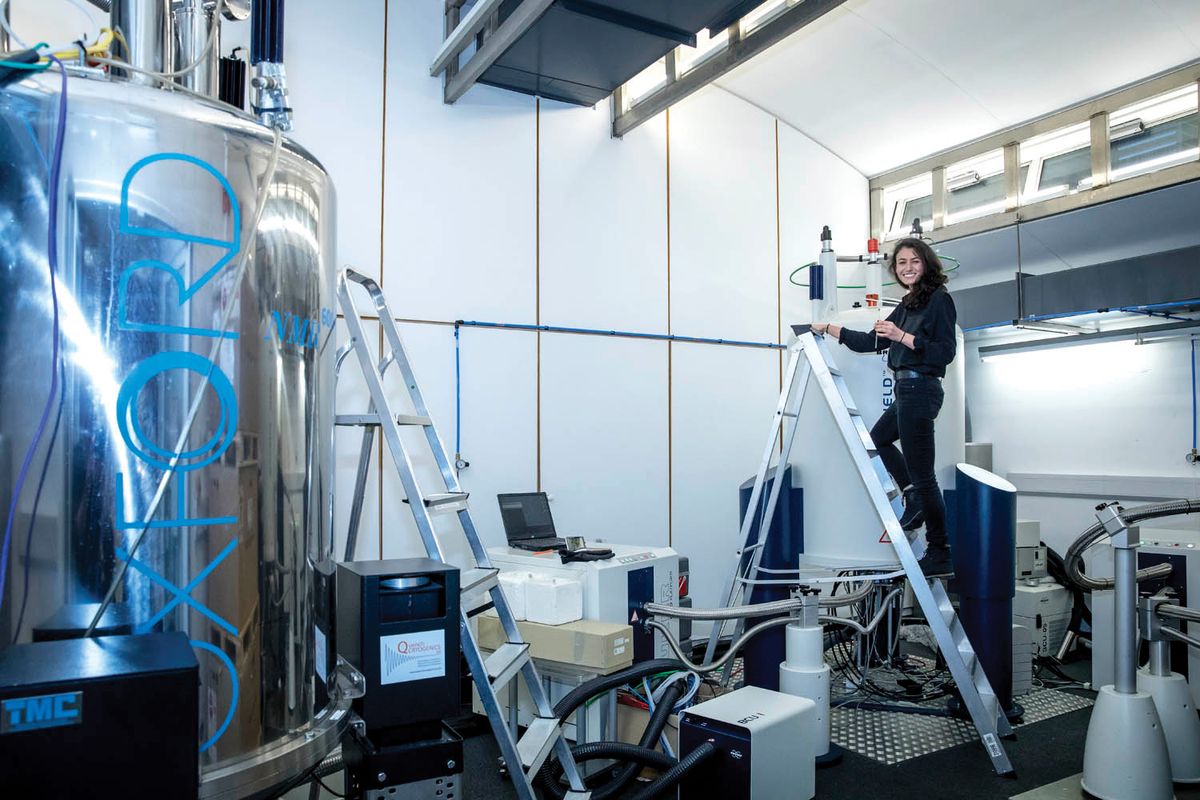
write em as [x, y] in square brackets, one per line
[601, 646]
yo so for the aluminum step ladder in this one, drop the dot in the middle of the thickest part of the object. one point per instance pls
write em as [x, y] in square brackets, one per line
[810, 360]
[480, 584]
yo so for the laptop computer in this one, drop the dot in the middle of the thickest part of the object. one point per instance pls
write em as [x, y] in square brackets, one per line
[527, 521]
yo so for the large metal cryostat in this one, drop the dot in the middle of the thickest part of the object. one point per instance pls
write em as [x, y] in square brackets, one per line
[157, 197]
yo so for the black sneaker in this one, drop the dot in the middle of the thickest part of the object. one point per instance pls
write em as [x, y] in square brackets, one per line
[913, 517]
[937, 563]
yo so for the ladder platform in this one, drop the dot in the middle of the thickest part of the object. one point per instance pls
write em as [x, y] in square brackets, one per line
[505, 663]
[539, 739]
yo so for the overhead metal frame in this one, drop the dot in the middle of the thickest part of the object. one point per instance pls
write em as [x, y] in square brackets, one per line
[477, 27]
[1095, 112]
[741, 48]
[624, 19]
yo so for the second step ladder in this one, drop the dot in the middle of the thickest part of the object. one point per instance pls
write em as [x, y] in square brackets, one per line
[480, 584]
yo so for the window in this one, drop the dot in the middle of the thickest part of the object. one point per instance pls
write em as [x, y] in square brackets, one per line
[1060, 162]
[1154, 134]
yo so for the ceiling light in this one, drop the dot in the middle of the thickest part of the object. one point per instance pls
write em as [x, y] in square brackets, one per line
[1051, 327]
[1143, 334]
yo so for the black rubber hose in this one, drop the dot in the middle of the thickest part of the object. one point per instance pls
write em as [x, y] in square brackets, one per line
[549, 775]
[581, 694]
[676, 773]
[623, 751]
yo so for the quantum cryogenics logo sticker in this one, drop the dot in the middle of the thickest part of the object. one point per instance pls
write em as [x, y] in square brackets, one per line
[412, 656]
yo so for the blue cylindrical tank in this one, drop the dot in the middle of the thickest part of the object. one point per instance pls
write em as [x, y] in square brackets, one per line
[764, 652]
[983, 542]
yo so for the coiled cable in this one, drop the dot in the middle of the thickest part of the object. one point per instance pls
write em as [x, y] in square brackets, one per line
[1074, 557]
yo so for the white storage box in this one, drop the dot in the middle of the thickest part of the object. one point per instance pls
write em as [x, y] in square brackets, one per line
[553, 601]
[513, 584]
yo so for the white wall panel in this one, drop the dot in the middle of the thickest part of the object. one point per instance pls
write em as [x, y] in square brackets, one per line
[816, 188]
[340, 120]
[604, 437]
[1101, 409]
[499, 421]
[459, 232]
[603, 221]
[722, 401]
[723, 253]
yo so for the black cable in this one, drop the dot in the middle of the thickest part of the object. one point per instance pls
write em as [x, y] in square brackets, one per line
[37, 499]
[677, 772]
[608, 787]
[325, 786]
[584, 692]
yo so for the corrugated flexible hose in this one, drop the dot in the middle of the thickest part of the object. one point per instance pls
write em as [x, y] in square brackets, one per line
[1074, 559]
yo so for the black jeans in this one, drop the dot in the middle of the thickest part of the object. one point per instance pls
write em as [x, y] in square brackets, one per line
[910, 420]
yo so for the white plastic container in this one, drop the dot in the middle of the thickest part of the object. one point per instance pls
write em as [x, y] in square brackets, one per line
[513, 584]
[553, 601]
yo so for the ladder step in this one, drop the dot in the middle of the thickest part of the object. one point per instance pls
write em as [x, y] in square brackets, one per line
[539, 739]
[577, 795]
[502, 665]
[361, 420]
[445, 501]
[476, 582]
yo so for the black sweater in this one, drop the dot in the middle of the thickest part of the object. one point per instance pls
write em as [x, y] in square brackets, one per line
[932, 328]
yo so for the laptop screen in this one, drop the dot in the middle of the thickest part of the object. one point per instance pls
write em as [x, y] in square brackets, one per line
[526, 516]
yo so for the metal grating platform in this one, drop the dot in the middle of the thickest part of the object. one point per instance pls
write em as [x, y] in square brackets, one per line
[890, 737]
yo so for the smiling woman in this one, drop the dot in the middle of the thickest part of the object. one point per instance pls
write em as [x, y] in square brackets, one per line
[919, 338]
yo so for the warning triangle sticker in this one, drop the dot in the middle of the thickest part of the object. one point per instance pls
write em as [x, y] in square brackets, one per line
[633, 618]
[885, 539]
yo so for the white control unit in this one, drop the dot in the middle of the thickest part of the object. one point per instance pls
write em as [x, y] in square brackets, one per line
[1045, 609]
[614, 589]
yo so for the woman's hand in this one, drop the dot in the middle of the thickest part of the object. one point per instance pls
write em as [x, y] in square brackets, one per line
[888, 330]
[820, 327]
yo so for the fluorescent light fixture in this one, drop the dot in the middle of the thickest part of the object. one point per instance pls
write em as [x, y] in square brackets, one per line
[1144, 333]
[1163, 337]
[962, 181]
[1051, 327]
[1126, 129]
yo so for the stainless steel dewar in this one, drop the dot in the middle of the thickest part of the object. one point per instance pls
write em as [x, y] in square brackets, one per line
[157, 197]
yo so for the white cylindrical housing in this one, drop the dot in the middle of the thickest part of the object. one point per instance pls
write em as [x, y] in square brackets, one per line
[1125, 754]
[1181, 728]
[805, 674]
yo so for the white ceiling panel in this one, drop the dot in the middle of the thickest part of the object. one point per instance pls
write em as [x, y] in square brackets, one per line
[885, 82]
